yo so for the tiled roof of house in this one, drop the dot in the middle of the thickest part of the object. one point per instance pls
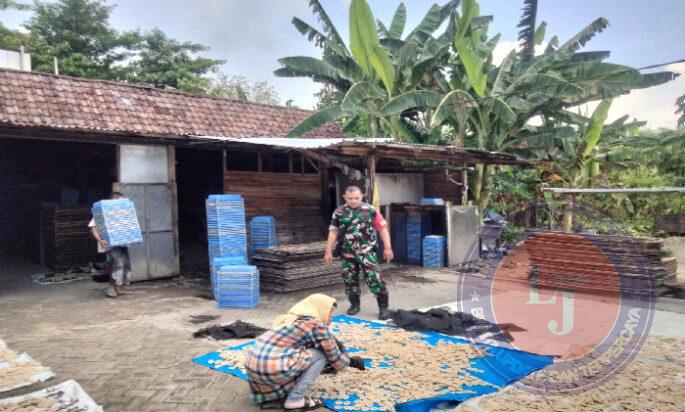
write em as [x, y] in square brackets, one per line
[45, 100]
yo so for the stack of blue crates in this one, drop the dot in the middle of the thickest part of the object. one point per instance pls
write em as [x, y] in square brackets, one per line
[262, 233]
[117, 222]
[418, 226]
[226, 233]
[235, 284]
[434, 251]
[215, 265]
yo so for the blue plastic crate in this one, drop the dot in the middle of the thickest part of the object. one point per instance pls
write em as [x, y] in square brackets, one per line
[247, 303]
[262, 233]
[225, 197]
[434, 251]
[236, 275]
[117, 222]
[226, 231]
[236, 286]
[432, 201]
[217, 262]
[418, 226]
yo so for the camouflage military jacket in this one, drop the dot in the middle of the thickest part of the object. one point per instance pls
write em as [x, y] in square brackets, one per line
[357, 226]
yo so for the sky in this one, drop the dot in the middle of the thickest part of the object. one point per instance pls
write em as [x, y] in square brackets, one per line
[251, 35]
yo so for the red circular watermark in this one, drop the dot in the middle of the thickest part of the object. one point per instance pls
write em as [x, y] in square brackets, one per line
[586, 299]
[553, 303]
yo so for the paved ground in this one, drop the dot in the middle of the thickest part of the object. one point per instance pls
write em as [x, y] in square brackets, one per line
[134, 353]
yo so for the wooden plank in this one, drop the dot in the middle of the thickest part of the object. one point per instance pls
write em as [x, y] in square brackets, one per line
[617, 190]
[437, 184]
[371, 170]
[171, 173]
[326, 209]
[592, 263]
[67, 239]
[464, 187]
[314, 165]
[293, 199]
[352, 172]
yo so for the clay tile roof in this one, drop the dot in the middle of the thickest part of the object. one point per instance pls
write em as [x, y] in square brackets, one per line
[45, 100]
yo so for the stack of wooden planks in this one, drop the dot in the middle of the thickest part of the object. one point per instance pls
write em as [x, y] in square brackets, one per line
[67, 241]
[293, 199]
[591, 263]
[673, 224]
[295, 267]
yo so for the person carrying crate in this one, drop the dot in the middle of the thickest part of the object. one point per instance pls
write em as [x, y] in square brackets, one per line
[121, 262]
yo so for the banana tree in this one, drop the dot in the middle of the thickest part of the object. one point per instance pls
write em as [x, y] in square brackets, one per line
[578, 162]
[378, 65]
[492, 106]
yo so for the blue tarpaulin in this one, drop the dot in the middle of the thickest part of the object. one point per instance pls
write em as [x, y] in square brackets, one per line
[499, 368]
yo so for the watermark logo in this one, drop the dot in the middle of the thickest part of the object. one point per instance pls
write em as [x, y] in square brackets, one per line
[586, 299]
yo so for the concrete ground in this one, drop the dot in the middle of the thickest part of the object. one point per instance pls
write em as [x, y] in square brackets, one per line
[134, 353]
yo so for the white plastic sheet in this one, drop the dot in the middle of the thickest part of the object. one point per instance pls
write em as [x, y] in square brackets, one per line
[68, 395]
[7, 364]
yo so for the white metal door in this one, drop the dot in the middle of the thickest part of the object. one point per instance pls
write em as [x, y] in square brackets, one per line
[145, 179]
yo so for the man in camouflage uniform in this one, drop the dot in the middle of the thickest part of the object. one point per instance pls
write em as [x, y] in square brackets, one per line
[358, 222]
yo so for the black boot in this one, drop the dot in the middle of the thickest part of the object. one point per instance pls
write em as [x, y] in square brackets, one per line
[355, 305]
[383, 312]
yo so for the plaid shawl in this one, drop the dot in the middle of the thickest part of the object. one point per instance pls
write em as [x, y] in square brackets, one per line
[280, 355]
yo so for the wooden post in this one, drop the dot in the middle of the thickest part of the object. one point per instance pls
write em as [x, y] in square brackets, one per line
[224, 173]
[290, 163]
[259, 162]
[464, 186]
[573, 211]
[371, 168]
[171, 173]
[325, 198]
[118, 163]
[448, 232]
[551, 213]
[387, 213]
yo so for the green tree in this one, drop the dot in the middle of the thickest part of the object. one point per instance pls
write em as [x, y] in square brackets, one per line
[12, 39]
[680, 110]
[162, 62]
[16, 5]
[240, 88]
[78, 33]
[328, 96]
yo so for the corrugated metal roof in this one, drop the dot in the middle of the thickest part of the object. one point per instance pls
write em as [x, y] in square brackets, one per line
[382, 145]
[294, 143]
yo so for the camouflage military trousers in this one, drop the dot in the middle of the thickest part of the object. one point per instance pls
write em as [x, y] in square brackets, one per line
[363, 264]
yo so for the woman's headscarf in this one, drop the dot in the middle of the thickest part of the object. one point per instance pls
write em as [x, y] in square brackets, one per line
[317, 306]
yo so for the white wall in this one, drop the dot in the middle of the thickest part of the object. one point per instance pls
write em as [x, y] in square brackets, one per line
[143, 164]
[399, 187]
[13, 60]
